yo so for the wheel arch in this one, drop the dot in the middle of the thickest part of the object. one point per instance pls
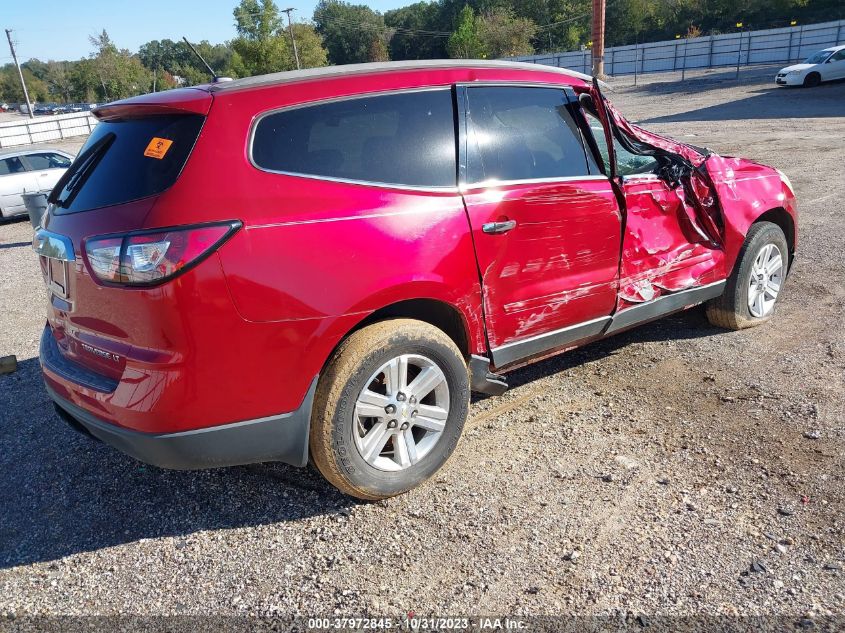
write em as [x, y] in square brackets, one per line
[781, 217]
[443, 315]
[436, 312]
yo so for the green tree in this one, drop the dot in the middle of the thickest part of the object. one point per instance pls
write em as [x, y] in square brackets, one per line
[10, 85]
[58, 79]
[168, 60]
[352, 33]
[263, 44]
[120, 73]
[259, 45]
[309, 45]
[504, 35]
[407, 40]
[465, 42]
[84, 82]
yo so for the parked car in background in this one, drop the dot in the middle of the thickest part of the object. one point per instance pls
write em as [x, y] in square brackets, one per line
[826, 65]
[322, 264]
[26, 171]
[4, 107]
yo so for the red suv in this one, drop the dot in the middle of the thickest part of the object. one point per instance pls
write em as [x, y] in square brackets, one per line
[324, 263]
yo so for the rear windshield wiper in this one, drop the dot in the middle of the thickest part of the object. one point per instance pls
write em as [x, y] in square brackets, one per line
[73, 179]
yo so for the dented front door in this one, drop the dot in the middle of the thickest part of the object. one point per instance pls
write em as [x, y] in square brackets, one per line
[671, 234]
[663, 248]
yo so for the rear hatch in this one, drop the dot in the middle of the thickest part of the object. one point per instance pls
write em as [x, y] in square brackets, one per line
[132, 157]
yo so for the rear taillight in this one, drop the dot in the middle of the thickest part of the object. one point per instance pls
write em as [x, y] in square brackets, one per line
[147, 258]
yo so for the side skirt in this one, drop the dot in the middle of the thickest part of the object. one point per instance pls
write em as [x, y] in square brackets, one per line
[513, 352]
[664, 305]
[642, 313]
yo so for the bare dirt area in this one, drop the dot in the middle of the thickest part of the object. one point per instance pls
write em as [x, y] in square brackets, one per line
[676, 469]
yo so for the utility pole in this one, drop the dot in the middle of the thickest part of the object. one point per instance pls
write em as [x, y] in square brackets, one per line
[292, 38]
[20, 74]
[599, 7]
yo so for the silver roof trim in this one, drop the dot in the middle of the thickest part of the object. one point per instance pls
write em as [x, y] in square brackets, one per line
[14, 153]
[325, 72]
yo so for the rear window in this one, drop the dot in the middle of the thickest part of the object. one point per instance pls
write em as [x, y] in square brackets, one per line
[127, 160]
[400, 139]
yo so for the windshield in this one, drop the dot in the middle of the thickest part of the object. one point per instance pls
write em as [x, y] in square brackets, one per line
[127, 160]
[818, 58]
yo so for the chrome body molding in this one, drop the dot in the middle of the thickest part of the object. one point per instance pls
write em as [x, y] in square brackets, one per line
[53, 245]
[666, 304]
[519, 350]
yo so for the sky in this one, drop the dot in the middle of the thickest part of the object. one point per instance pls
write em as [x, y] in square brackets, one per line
[59, 29]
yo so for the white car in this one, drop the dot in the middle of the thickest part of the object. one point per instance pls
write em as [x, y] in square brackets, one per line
[825, 65]
[25, 171]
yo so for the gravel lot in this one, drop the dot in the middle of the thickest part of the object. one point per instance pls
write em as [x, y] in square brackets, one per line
[673, 470]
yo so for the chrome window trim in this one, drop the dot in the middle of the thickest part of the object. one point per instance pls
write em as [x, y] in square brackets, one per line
[641, 178]
[492, 184]
[256, 120]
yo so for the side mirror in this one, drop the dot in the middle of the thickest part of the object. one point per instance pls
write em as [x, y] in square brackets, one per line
[586, 101]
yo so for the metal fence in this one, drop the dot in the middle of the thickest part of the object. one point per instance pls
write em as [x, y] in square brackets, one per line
[44, 129]
[742, 48]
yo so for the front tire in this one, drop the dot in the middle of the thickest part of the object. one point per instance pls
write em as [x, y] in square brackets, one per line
[812, 80]
[389, 408]
[756, 281]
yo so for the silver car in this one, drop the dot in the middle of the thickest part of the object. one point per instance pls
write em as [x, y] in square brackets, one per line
[25, 171]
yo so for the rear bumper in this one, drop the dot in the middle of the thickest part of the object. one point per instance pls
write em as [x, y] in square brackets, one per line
[280, 438]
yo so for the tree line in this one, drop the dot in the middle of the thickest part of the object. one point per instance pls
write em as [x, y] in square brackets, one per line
[344, 33]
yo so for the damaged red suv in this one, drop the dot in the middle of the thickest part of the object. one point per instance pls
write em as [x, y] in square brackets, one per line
[323, 264]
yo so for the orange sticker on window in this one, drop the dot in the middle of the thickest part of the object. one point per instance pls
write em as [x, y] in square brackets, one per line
[158, 147]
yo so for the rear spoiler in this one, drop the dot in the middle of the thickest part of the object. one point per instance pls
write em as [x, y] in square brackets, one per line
[181, 101]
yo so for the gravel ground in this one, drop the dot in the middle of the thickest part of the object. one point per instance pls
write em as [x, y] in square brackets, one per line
[672, 470]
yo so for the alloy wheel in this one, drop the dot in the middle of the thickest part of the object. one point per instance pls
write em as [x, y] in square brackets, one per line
[401, 413]
[765, 281]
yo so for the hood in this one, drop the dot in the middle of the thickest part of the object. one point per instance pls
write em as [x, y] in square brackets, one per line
[789, 69]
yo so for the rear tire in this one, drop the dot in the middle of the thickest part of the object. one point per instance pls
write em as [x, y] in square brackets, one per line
[376, 430]
[750, 295]
[812, 80]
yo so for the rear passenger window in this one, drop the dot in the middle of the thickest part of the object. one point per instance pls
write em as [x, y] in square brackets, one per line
[401, 139]
[11, 166]
[522, 134]
[47, 161]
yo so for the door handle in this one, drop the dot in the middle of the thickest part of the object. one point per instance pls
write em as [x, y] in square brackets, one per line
[495, 228]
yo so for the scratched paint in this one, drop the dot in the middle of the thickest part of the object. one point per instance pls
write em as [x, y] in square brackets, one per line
[558, 268]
